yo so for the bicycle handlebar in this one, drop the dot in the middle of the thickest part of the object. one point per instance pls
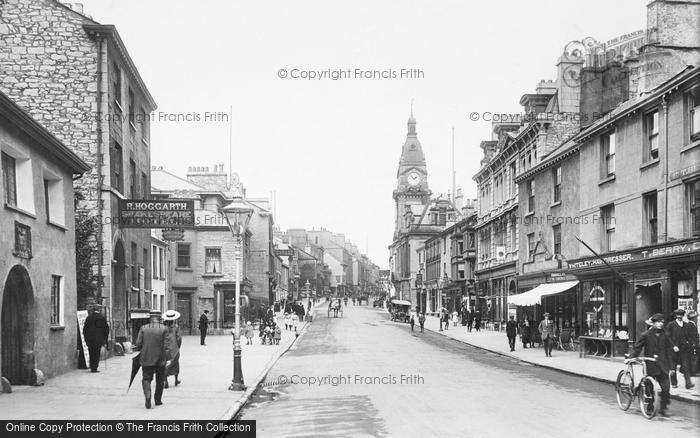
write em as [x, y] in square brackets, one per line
[640, 359]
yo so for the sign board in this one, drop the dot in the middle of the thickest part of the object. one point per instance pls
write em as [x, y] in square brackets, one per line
[686, 171]
[139, 213]
[82, 316]
[284, 252]
[173, 234]
[659, 252]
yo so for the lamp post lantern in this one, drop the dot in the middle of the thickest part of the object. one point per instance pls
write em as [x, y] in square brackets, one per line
[237, 214]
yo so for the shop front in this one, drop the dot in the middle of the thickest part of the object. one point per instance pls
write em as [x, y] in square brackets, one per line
[616, 299]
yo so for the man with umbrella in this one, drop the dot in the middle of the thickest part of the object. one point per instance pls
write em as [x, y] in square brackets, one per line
[152, 342]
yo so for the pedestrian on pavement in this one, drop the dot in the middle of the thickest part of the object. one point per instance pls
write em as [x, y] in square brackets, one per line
[678, 334]
[174, 344]
[203, 326]
[278, 334]
[152, 341]
[470, 321]
[287, 321]
[656, 343]
[421, 321]
[455, 319]
[693, 335]
[249, 333]
[511, 332]
[546, 330]
[96, 333]
[412, 321]
[295, 321]
[525, 332]
[477, 321]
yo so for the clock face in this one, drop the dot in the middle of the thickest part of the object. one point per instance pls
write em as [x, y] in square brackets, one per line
[413, 178]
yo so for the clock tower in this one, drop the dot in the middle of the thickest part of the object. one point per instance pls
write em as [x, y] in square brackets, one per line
[412, 193]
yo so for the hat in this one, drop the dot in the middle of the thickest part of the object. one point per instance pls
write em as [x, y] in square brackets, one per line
[657, 317]
[171, 315]
[692, 314]
[547, 314]
[680, 312]
[206, 311]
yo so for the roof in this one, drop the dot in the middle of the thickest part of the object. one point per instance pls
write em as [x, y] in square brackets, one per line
[46, 141]
[162, 180]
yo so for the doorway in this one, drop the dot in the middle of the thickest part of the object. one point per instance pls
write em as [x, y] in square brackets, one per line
[184, 306]
[120, 297]
[17, 325]
[648, 302]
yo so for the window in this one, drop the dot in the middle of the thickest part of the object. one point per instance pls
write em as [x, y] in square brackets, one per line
[117, 166]
[693, 190]
[531, 196]
[144, 265]
[132, 111]
[145, 127]
[651, 126]
[607, 216]
[556, 176]
[694, 107]
[56, 301]
[132, 179]
[608, 154]
[117, 82]
[9, 177]
[154, 262]
[556, 233]
[54, 199]
[531, 245]
[134, 265]
[650, 216]
[513, 187]
[183, 255]
[145, 189]
[161, 263]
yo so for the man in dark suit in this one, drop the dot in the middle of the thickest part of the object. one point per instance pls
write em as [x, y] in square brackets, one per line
[511, 332]
[546, 329]
[655, 342]
[682, 348]
[152, 341]
[203, 325]
[96, 332]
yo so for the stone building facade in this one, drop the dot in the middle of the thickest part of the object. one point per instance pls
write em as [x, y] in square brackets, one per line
[76, 78]
[38, 299]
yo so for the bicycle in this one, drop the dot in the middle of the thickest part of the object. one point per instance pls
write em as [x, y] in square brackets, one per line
[647, 390]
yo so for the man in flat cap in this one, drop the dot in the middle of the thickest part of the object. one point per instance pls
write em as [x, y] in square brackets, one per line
[152, 341]
[657, 344]
[682, 348]
[547, 333]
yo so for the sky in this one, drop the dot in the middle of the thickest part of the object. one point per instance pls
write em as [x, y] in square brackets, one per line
[329, 149]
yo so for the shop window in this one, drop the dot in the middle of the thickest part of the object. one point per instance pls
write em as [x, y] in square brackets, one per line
[607, 146]
[183, 255]
[651, 136]
[212, 260]
[134, 265]
[607, 219]
[693, 191]
[650, 219]
[556, 176]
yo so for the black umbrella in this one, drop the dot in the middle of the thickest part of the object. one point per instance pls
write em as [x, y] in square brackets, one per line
[135, 366]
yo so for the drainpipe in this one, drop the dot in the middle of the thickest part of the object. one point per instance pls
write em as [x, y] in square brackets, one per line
[664, 105]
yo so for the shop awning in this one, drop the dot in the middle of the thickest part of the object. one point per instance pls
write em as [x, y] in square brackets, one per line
[401, 302]
[534, 296]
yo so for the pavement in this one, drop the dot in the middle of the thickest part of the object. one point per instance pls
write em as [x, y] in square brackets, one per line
[206, 372]
[605, 370]
[364, 376]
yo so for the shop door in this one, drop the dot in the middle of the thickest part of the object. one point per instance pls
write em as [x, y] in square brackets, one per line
[648, 302]
[184, 306]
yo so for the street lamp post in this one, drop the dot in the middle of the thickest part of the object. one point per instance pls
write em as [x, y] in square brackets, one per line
[237, 215]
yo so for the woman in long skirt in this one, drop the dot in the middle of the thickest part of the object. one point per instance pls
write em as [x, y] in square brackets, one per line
[174, 340]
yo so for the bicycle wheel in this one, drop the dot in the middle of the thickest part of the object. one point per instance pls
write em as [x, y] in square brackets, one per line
[624, 389]
[649, 397]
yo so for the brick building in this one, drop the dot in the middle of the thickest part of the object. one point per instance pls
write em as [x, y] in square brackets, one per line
[38, 299]
[76, 78]
[204, 272]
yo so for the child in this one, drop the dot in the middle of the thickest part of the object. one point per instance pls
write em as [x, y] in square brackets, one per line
[295, 321]
[278, 334]
[249, 333]
[287, 321]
